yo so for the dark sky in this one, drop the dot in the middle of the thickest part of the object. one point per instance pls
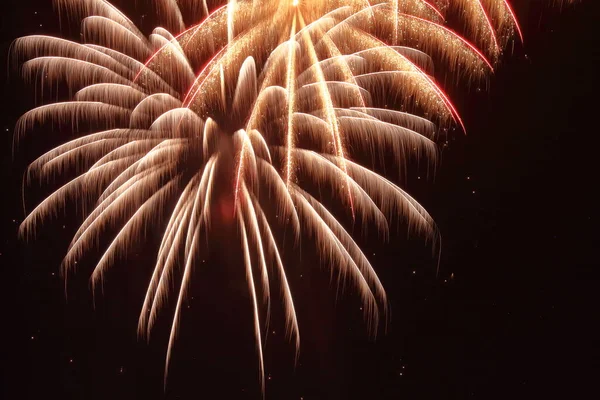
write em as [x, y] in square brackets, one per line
[516, 203]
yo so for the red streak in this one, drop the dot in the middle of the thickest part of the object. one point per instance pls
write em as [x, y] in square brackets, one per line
[456, 35]
[489, 23]
[449, 106]
[197, 27]
[515, 20]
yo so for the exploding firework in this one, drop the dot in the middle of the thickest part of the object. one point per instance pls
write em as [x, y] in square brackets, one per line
[271, 100]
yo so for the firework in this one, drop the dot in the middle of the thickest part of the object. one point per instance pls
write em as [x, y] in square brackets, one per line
[272, 98]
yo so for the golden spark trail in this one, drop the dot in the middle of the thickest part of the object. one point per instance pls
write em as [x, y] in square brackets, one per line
[514, 19]
[290, 86]
[347, 72]
[328, 107]
[252, 288]
[489, 25]
[230, 20]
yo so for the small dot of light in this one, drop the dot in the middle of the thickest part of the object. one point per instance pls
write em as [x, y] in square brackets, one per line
[33, 337]
[468, 178]
[71, 360]
[414, 272]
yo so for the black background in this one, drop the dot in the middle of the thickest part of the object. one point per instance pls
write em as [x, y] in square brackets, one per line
[516, 203]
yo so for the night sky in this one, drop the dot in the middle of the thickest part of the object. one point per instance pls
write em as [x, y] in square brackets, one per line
[512, 313]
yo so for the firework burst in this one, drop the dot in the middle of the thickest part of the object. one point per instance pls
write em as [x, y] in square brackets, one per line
[271, 99]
